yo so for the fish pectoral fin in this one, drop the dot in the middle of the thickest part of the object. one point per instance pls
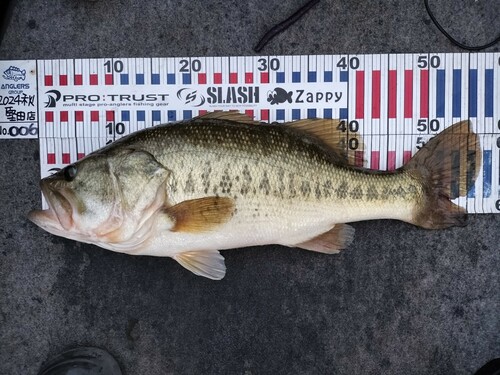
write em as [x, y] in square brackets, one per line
[200, 215]
[208, 264]
[331, 242]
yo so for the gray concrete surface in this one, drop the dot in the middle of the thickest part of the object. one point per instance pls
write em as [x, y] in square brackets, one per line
[401, 300]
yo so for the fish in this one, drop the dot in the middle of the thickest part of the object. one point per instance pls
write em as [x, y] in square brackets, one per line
[279, 95]
[220, 181]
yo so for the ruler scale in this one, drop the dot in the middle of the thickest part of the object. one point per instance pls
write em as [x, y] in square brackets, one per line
[396, 102]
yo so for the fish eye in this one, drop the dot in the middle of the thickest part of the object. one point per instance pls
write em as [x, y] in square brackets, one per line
[70, 173]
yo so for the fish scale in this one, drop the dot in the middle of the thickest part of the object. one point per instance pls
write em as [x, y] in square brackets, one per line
[271, 163]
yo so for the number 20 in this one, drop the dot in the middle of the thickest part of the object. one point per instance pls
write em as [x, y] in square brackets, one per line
[195, 65]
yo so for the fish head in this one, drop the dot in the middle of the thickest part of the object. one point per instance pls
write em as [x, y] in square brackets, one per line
[103, 198]
[81, 197]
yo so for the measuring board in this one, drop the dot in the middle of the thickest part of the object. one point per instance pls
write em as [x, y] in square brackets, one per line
[396, 102]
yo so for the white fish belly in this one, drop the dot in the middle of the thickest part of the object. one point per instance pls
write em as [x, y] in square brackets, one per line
[276, 224]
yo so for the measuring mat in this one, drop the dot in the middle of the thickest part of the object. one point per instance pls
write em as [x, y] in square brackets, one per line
[395, 102]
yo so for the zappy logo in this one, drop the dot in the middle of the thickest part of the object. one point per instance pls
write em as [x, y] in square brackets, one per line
[53, 98]
[278, 96]
[300, 96]
[191, 97]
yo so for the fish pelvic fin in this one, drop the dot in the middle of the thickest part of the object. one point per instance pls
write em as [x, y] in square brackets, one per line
[447, 166]
[208, 264]
[200, 215]
[331, 242]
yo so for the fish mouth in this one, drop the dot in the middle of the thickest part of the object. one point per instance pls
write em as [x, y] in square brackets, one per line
[59, 216]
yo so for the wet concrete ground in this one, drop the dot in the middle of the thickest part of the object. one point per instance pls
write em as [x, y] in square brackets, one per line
[401, 300]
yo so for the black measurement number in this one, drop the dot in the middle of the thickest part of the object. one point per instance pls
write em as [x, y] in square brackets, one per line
[118, 128]
[352, 127]
[116, 66]
[423, 61]
[422, 125]
[420, 142]
[274, 64]
[187, 66]
[353, 144]
[15, 131]
[353, 63]
[497, 205]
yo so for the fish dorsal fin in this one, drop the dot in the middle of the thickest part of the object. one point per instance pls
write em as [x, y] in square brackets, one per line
[203, 263]
[331, 242]
[200, 215]
[229, 116]
[334, 134]
[331, 132]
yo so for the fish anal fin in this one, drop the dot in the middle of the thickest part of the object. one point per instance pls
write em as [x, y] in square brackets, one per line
[200, 215]
[333, 133]
[331, 242]
[208, 264]
[229, 116]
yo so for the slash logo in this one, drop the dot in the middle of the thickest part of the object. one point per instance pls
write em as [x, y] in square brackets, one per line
[191, 97]
[219, 95]
[53, 98]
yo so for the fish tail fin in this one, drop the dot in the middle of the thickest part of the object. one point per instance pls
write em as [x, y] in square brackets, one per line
[289, 96]
[448, 166]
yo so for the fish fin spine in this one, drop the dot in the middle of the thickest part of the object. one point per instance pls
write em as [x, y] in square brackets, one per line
[332, 133]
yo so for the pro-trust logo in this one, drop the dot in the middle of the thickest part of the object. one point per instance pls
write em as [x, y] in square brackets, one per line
[53, 97]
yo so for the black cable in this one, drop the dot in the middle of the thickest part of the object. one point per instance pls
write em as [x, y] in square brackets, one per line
[5, 14]
[453, 40]
[284, 25]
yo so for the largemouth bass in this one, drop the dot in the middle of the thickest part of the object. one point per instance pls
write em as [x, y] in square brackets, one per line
[222, 181]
